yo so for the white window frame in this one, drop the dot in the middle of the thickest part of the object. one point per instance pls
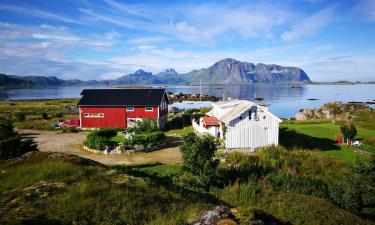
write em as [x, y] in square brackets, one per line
[129, 109]
[152, 109]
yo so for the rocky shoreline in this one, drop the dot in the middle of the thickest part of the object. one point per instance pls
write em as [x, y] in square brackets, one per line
[334, 111]
[179, 97]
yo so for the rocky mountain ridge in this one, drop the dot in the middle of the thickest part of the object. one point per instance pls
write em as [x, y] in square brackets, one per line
[226, 71]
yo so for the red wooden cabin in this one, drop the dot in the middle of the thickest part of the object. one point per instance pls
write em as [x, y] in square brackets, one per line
[121, 108]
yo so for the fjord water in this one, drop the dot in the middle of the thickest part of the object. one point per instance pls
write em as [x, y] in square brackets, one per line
[283, 100]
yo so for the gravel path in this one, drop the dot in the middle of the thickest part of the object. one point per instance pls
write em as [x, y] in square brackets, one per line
[71, 143]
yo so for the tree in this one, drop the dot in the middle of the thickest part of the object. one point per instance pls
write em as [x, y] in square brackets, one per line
[11, 143]
[348, 132]
[198, 154]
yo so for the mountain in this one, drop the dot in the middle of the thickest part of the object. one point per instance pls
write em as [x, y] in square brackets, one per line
[12, 82]
[230, 71]
[226, 71]
[167, 72]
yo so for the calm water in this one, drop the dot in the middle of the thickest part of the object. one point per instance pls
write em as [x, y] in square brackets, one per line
[283, 100]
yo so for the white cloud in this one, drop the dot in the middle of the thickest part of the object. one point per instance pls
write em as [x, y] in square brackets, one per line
[197, 23]
[147, 40]
[310, 25]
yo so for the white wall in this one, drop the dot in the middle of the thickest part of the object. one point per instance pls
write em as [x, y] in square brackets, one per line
[252, 134]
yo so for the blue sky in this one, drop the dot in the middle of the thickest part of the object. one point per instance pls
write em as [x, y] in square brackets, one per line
[84, 39]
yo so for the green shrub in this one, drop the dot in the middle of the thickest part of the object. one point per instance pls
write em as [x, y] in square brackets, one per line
[20, 117]
[44, 116]
[100, 139]
[148, 139]
[95, 141]
[11, 143]
[198, 155]
[106, 132]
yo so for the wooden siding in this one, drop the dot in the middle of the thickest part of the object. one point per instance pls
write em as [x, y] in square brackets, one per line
[114, 117]
[252, 134]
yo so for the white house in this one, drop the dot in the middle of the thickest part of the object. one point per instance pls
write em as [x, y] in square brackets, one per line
[241, 124]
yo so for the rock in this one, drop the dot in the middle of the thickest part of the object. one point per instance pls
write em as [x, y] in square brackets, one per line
[220, 215]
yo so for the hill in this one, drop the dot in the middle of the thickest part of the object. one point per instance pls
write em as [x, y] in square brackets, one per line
[13, 82]
[226, 71]
[236, 72]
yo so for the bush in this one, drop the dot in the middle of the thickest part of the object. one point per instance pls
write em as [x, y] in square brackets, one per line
[11, 143]
[106, 132]
[20, 117]
[100, 139]
[95, 141]
[148, 139]
[198, 154]
[44, 116]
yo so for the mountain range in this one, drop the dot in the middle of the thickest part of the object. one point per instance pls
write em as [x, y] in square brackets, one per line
[226, 71]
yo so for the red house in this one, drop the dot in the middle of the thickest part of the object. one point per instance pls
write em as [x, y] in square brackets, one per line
[100, 108]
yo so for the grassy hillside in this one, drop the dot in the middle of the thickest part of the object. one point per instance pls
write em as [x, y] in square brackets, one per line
[321, 136]
[32, 111]
[60, 189]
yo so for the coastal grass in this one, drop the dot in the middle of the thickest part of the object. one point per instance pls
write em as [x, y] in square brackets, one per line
[180, 132]
[60, 190]
[322, 136]
[33, 110]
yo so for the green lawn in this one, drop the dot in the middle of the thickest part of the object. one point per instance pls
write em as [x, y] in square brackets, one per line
[180, 132]
[323, 136]
[118, 138]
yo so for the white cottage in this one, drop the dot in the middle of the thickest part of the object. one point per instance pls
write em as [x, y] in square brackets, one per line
[241, 124]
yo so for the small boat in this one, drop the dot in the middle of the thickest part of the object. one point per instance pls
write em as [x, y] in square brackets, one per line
[258, 99]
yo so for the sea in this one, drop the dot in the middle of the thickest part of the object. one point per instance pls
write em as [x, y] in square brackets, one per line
[284, 100]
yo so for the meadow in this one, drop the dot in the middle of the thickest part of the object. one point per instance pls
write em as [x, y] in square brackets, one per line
[308, 179]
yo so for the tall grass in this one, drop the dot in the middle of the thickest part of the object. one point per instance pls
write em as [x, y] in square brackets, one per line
[25, 175]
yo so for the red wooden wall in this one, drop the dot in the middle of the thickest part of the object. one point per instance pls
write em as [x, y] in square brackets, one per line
[114, 116]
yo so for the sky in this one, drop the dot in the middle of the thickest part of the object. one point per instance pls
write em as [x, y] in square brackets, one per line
[88, 39]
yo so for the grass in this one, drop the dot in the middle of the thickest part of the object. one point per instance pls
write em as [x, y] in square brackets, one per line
[284, 207]
[322, 136]
[68, 191]
[180, 132]
[118, 138]
[32, 109]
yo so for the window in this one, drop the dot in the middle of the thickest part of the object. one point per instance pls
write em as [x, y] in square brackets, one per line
[129, 109]
[94, 115]
[149, 109]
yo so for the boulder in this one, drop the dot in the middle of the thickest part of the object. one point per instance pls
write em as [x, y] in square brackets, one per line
[220, 215]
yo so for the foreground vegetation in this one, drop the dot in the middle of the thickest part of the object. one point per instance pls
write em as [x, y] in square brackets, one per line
[309, 179]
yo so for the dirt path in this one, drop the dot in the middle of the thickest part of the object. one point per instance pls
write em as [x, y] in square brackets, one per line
[71, 143]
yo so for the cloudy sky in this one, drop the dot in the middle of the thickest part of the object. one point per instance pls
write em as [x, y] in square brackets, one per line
[85, 39]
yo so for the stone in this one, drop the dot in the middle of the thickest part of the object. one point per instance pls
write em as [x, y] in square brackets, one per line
[220, 215]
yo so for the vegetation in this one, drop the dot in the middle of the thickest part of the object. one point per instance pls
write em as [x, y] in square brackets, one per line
[100, 139]
[198, 154]
[38, 114]
[322, 135]
[145, 135]
[68, 190]
[348, 132]
[11, 143]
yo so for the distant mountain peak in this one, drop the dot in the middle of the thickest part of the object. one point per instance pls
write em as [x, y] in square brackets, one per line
[167, 72]
[140, 71]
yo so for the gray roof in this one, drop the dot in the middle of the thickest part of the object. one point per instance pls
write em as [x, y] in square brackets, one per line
[123, 97]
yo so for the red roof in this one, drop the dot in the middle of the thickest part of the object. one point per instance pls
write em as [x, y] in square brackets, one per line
[211, 121]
